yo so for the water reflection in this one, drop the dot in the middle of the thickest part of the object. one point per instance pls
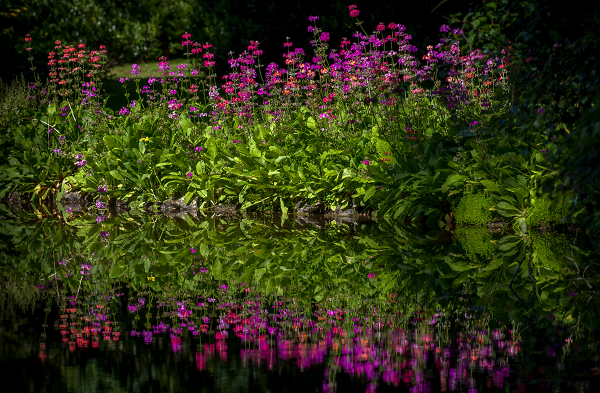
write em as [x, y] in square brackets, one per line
[154, 303]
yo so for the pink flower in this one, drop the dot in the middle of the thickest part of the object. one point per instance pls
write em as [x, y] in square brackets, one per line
[135, 70]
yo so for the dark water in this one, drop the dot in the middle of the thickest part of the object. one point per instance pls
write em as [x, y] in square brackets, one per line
[136, 302]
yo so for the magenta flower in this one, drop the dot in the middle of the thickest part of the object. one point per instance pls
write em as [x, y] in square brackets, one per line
[324, 37]
[192, 250]
[135, 70]
[189, 175]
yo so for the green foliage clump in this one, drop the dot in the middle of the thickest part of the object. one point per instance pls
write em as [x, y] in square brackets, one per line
[546, 210]
[475, 241]
[14, 100]
[17, 292]
[550, 250]
[473, 209]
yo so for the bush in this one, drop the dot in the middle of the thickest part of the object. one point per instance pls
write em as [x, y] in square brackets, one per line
[475, 241]
[549, 211]
[550, 249]
[473, 209]
[14, 100]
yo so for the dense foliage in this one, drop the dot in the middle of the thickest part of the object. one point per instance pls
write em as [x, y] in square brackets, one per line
[368, 126]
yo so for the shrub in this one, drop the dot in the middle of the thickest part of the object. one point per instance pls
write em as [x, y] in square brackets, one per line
[550, 249]
[475, 241]
[473, 209]
[549, 211]
[15, 99]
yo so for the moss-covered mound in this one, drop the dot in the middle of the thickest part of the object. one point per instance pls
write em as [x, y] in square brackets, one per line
[473, 209]
[551, 250]
[549, 211]
[475, 241]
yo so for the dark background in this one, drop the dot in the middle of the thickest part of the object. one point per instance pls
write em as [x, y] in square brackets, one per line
[138, 31]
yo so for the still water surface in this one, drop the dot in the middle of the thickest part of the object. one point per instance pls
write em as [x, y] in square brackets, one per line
[149, 303]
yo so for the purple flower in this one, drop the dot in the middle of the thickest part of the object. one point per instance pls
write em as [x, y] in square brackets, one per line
[100, 204]
[193, 109]
[124, 111]
[372, 275]
[198, 149]
[102, 189]
[100, 218]
[366, 162]
[540, 111]
[313, 18]
[189, 175]
[81, 163]
[192, 250]
[104, 234]
[135, 70]
[324, 36]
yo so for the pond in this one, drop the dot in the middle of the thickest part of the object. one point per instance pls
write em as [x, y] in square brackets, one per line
[152, 302]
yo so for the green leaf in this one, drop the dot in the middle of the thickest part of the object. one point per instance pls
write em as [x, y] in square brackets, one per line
[370, 192]
[284, 209]
[116, 175]
[490, 185]
[451, 180]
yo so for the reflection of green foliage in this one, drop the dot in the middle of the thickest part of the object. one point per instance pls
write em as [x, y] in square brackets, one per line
[17, 291]
[475, 240]
[550, 249]
[473, 209]
[546, 210]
